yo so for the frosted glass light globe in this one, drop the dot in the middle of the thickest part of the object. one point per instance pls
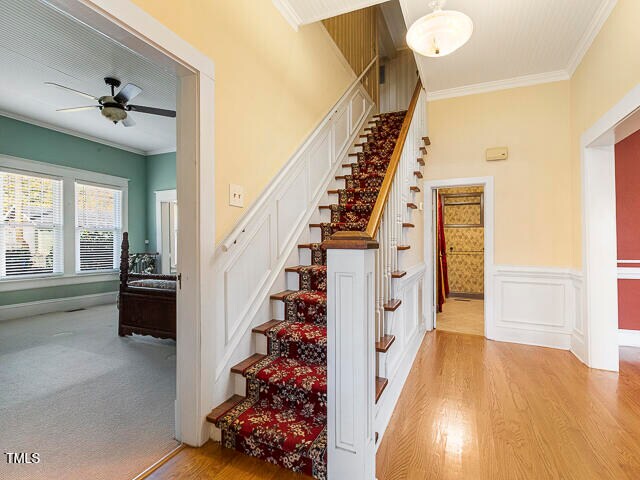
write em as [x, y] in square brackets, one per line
[439, 33]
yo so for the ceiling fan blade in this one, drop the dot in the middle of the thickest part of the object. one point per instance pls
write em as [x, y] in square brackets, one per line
[72, 90]
[128, 121]
[77, 109]
[152, 110]
[127, 93]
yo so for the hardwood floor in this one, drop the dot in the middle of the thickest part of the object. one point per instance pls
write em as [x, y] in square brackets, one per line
[483, 410]
[477, 409]
[462, 315]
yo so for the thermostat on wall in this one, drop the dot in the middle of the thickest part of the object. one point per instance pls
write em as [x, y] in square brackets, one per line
[497, 153]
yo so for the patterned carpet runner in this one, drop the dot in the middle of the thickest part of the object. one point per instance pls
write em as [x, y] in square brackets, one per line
[283, 419]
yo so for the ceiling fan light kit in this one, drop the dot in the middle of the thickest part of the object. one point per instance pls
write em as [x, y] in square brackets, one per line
[114, 107]
[439, 33]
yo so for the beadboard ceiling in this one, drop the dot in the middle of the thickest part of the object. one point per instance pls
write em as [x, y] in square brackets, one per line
[514, 43]
[39, 44]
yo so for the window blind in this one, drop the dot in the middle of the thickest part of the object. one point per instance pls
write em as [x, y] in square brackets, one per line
[31, 227]
[98, 227]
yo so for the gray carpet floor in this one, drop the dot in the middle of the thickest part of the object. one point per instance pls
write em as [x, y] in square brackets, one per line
[92, 404]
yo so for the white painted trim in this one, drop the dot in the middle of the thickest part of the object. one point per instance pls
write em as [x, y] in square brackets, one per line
[170, 195]
[160, 151]
[30, 309]
[489, 265]
[73, 133]
[517, 82]
[34, 166]
[629, 338]
[599, 237]
[131, 26]
[56, 281]
[597, 22]
[628, 261]
[288, 13]
[629, 273]
[266, 194]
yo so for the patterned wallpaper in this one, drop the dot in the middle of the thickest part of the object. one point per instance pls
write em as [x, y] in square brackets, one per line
[465, 245]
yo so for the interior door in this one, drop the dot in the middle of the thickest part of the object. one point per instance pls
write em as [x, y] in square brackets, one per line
[434, 253]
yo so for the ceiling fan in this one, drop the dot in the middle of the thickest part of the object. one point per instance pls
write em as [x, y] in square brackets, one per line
[115, 107]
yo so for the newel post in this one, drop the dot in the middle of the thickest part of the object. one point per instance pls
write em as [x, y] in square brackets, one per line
[350, 359]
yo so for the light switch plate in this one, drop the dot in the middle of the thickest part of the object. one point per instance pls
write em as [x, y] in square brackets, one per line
[236, 195]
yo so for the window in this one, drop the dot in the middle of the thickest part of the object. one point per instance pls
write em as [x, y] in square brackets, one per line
[31, 227]
[98, 227]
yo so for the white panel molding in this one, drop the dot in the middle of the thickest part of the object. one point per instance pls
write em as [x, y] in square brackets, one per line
[282, 214]
[629, 338]
[485, 87]
[629, 273]
[30, 309]
[408, 326]
[590, 34]
[537, 305]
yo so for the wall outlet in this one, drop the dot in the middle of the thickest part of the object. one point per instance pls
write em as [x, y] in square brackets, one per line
[236, 195]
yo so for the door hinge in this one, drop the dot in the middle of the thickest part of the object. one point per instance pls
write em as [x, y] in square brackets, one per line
[180, 281]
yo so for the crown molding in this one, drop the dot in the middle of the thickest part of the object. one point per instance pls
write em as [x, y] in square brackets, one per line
[516, 82]
[597, 22]
[160, 151]
[288, 13]
[68, 131]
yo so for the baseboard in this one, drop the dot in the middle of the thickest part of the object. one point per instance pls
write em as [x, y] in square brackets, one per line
[29, 309]
[392, 393]
[629, 338]
[538, 338]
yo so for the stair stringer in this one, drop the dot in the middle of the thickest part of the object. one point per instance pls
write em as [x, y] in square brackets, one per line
[249, 264]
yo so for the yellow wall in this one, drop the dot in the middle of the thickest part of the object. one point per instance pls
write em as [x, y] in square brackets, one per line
[532, 187]
[273, 86]
[609, 70]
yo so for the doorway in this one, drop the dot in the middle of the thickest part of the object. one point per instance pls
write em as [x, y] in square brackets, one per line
[459, 232]
[459, 241]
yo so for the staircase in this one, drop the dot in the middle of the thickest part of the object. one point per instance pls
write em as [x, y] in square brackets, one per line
[282, 419]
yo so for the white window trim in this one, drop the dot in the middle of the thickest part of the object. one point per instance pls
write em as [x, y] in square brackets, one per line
[69, 177]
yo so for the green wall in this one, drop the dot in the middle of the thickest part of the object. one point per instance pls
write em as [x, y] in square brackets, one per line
[161, 175]
[20, 139]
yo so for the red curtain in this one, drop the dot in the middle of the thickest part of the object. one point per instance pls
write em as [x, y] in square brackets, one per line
[443, 276]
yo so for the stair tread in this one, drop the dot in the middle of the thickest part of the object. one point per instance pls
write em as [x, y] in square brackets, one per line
[283, 294]
[418, 174]
[392, 305]
[384, 343]
[297, 268]
[398, 274]
[426, 140]
[408, 225]
[412, 205]
[333, 192]
[421, 161]
[266, 326]
[381, 384]
[246, 363]
[224, 407]
[414, 189]
[404, 247]
[324, 207]
[315, 225]
[423, 149]
[298, 374]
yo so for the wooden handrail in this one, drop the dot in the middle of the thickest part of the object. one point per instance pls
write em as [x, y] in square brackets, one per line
[369, 234]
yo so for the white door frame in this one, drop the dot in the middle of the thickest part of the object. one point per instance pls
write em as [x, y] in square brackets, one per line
[162, 196]
[131, 26]
[596, 343]
[429, 245]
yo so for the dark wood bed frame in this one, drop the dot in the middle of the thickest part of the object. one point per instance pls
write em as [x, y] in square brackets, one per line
[145, 311]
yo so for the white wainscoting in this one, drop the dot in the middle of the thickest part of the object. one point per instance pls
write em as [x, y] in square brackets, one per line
[537, 306]
[408, 325]
[249, 264]
[30, 309]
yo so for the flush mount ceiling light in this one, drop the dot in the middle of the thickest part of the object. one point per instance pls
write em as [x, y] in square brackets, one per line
[439, 33]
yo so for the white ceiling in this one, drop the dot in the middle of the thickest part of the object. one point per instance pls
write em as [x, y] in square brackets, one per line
[514, 42]
[39, 44]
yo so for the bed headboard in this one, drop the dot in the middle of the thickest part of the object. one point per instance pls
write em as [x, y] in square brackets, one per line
[124, 260]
